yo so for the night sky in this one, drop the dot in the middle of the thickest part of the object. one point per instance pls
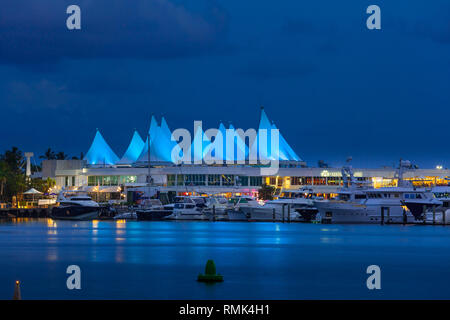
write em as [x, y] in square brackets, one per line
[333, 87]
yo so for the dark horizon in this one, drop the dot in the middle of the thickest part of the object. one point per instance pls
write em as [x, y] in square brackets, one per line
[332, 87]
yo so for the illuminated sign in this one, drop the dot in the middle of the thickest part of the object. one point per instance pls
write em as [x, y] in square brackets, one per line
[326, 173]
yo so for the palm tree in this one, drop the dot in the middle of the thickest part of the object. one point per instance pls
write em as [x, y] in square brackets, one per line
[48, 155]
[78, 158]
[61, 156]
[48, 184]
[14, 160]
[12, 173]
[3, 177]
[266, 192]
[42, 185]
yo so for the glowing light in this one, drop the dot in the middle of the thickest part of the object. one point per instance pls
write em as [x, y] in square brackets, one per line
[100, 152]
[134, 150]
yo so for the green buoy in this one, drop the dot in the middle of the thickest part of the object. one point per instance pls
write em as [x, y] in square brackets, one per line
[210, 274]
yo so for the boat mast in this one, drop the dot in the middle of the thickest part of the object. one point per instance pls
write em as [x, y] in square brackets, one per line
[148, 154]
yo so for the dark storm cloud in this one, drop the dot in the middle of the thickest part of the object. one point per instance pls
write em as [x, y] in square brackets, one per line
[34, 32]
[32, 95]
[333, 87]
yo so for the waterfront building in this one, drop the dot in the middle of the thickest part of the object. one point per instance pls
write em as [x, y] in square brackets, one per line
[108, 178]
[110, 182]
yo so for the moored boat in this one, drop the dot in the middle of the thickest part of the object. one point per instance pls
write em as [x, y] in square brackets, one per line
[153, 210]
[235, 213]
[358, 203]
[189, 208]
[75, 206]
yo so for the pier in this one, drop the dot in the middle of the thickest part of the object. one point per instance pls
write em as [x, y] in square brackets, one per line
[25, 213]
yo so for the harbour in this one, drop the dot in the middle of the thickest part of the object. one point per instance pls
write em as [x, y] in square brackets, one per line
[147, 260]
[152, 182]
[196, 154]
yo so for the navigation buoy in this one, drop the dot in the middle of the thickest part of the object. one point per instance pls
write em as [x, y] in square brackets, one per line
[17, 295]
[210, 274]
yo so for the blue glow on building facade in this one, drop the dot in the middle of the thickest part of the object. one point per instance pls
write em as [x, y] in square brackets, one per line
[100, 152]
[162, 146]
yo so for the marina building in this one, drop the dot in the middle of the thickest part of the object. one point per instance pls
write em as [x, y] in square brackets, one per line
[108, 177]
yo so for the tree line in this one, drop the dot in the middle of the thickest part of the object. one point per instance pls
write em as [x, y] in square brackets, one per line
[13, 180]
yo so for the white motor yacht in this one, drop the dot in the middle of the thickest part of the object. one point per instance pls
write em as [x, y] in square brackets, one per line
[277, 210]
[152, 209]
[432, 207]
[432, 214]
[357, 203]
[216, 208]
[237, 205]
[189, 208]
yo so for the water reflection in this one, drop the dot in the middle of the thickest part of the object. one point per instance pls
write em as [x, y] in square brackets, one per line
[259, 260]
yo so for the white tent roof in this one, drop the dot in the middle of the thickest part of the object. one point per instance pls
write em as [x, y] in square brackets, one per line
[32, 191]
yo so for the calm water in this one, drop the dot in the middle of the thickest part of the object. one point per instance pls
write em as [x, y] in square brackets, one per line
[161, 260]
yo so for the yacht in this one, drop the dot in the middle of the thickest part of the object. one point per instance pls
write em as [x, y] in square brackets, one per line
[276, 210]
[306, 209]
[419, 202]
[129, 215]
[442, 193]
[216, 208]
[75, 205]
[437, 217]
[189, 208]
[431, 207]
[237, 205]
[357, 203]
[382, 205]
[153, 209]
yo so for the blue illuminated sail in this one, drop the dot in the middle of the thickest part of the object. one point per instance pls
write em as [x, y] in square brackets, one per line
[162, 145]
[152, 132]
[285, 149]
[134, 149]
[239, 145]
[199, 148]
[283, 155]
[223, 134]
[100, 153]
[256, 147]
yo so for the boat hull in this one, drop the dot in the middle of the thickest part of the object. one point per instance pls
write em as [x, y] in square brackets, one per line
[418, 209]
[307, 214]
[75, 213]
[234, 215]
[178, 216]
[353, 213]
[152, 215]
[268, 214]
[438, 217]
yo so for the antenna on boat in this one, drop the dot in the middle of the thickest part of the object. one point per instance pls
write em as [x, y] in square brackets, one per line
[347, 173]
[403, 166]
